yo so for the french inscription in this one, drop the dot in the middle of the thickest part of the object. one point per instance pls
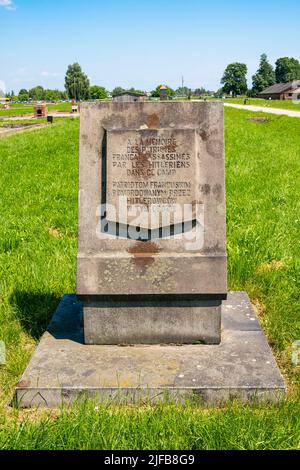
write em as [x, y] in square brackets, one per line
[153, 169]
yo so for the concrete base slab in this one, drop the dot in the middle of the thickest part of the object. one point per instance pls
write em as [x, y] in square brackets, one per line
[63, 368]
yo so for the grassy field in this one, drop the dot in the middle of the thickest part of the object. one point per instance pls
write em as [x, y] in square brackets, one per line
[38, 232]
[22, 109]
[163, 427]
[266, 103]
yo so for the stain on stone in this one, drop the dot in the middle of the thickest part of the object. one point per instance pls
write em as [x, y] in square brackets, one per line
[203, 134]
[142, 163]
[205, 189]
[211, 249]
[213, 145]
[217, 192]
[114, 121]
[171, 147]
[144, 248]
[142, 157]
[24, 384]
[68, 371]
[152, 121]
[88, 372]
[214, 148]
[143, 254]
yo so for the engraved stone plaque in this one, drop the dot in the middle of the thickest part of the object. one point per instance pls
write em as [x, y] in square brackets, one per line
[151, 177]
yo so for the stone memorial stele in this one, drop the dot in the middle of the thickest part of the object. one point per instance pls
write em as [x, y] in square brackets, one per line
[151, 315]
[151, 264]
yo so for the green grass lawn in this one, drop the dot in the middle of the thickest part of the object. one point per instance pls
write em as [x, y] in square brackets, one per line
[282, 104]
[38, 236]
[22, 109]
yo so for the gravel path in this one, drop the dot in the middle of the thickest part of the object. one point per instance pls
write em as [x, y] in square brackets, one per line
[285, 112]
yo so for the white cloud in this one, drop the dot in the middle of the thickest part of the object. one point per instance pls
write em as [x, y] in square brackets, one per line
[46, 73]
[8, 4]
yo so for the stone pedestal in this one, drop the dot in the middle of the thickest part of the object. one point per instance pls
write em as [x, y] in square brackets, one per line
[152, 320]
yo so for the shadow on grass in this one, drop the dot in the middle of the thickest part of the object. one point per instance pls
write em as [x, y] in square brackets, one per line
[34, 310]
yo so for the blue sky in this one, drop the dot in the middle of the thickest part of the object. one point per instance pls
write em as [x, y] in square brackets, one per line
[141, 43]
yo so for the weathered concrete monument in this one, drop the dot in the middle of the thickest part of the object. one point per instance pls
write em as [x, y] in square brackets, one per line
[152, 314]
[152, 256]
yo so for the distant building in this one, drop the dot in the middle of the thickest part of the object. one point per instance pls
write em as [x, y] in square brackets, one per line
[163, 93]
[5, 100]
[129, 96]
[40, 110]
[282, 91]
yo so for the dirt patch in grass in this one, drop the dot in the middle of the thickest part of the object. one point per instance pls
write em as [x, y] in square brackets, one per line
[9, 129]
[270, 265]
[20, 125]
[258, 120]
[54, 232]
[258, 307]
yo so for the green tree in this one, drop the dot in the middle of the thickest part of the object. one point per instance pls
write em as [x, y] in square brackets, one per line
[287, 69]
[116, 91]
[77, 83]
[219, 93]
[183, 91]
[23, 95]
[63, 95]
[37, 93]
[264, 77]
[234, 79]
[156, 93]
[11, 95]
[200, 91]
[23, 91]
[52, 95]
[136, 90]
[98, 92]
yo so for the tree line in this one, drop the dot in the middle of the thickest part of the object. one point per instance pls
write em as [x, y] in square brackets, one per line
[234, 79]
[77, 86]
[38, 93]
